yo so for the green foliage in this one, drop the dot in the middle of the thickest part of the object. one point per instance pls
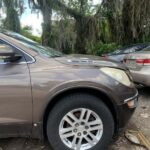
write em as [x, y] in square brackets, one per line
[12, 9]
[12, 21]
[101, 48]
[82, 27]
[27, 32]
[105, 31]
[63, 35]
[84, 7]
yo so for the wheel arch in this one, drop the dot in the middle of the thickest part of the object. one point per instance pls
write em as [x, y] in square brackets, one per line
[90, 90]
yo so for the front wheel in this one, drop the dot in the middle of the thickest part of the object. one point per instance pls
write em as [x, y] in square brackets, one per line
[80, 122]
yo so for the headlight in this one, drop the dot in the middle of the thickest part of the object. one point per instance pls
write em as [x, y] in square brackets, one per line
[117, 74]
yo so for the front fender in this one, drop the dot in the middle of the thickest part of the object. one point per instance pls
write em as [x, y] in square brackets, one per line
[73, 85]
[69, 86]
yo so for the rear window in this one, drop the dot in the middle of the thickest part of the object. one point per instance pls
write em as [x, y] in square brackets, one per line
[147, 48]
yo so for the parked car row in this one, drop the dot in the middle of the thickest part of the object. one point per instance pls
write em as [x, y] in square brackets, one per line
[137, 59]
[77, 102]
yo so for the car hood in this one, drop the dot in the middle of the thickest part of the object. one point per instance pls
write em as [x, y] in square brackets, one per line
[89, 60]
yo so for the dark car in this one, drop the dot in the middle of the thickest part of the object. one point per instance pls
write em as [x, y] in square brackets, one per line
[78, 102]
[119, 54]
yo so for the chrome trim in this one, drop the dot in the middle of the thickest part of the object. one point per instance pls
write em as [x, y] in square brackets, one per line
[132, 98]
[29, 62]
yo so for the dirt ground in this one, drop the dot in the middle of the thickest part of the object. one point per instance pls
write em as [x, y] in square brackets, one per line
[140, 120]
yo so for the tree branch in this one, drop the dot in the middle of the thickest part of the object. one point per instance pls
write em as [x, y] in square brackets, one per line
[34, 4]
[98, 11]
[71, 12]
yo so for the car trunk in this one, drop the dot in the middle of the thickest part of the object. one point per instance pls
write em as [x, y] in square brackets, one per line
[136, 61]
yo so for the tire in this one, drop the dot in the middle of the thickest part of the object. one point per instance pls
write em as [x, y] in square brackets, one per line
[75, 102]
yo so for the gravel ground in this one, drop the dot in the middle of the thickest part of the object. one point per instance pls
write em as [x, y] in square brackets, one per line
[140, 120]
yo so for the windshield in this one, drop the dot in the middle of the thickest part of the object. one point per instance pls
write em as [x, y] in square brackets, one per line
[42, 50]
[115, 52]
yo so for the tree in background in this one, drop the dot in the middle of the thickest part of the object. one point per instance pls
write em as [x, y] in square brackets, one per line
[81, 27]
[86, 21]
[80, 10]
[13, 9]
[27, 32]
[45, 7]
[63, 35]
[112, 10]
[136, 20]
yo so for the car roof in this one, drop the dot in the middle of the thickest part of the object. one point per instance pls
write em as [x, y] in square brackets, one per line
[138, 45]
[134, 45]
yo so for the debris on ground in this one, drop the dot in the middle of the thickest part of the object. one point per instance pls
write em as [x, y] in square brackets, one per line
[137, 138]
[145, 115]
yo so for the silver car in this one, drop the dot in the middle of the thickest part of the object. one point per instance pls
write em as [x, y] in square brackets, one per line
[139, 66]
[119, 54]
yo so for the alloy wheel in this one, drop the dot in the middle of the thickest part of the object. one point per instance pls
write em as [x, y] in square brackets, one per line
[81, 129]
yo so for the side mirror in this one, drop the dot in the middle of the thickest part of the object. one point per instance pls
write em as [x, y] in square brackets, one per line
[10, 56]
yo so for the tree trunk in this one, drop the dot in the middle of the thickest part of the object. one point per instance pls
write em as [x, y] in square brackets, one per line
[47, 26]
[128, 19]
[80, 45]
[12, 21]
[112, 9]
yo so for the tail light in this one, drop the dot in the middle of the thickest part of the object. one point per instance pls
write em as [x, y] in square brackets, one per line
[143, 61]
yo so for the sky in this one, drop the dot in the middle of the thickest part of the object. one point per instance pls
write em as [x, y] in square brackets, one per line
[32, 19]
[35, 20]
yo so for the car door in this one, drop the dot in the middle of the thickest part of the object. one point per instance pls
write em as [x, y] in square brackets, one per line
[15, 94]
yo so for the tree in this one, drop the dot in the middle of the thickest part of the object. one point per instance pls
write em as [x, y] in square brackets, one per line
[128, 21]
[45, 7]
[86, 21]
[63, 35]
[13, 9]
[80, 10]
[112, 10]
[136, 16]
[27, 32]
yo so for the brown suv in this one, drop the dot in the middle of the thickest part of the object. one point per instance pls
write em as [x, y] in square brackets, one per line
[78, 102]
